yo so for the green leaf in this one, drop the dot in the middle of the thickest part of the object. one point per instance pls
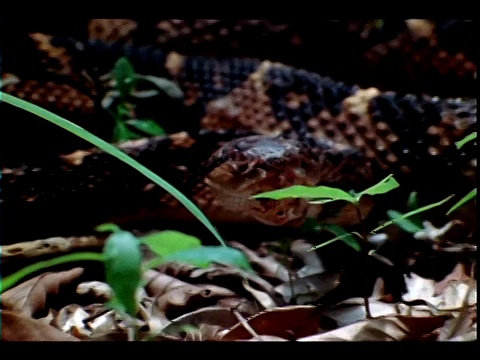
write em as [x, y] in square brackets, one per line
[114, 151]
[417, 211]
[324, 194]
[123, 269]
[328, 242]
[466, 139]
[203, 256]
[108, 227]
[321, 194]
[168, 242]
[11, 280]
[413, 204]
[147, 126]
[406, 224]
[122, 133]
[341, 234]
[463, 200]
[124, 75]
[165, 85]
[125, 110]
[384, 186]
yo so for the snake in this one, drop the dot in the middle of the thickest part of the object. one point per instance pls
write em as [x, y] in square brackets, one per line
[265, 105]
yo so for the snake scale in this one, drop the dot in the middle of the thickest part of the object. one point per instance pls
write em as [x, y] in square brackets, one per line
[266, 105]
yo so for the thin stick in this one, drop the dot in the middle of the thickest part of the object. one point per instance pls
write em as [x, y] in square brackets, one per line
[245, 324]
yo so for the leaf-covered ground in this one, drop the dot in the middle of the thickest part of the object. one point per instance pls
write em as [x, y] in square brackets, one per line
[223, 301]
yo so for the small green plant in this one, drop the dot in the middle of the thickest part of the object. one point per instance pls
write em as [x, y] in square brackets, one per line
[120, 102]
[123, 270]
[412, 224]
[170, 245]
[122, 259]
[325, 194]
[473, 193]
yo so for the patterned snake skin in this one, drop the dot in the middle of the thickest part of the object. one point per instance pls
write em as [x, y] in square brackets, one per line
[245, 125]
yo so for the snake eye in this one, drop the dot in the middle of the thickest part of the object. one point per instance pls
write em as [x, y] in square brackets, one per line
[280, 213]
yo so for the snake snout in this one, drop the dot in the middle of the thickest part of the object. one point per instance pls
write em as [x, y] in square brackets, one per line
[256, 164]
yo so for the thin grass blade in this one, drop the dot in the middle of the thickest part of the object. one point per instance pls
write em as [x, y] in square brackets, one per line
[417, 211]
[463, 200]
[114, 151]
[384, 186]
[466, 139]
[406, 224]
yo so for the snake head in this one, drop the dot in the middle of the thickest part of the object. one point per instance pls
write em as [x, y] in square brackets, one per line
[255, 164]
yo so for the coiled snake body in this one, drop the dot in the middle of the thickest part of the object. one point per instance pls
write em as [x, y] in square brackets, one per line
[244, 125]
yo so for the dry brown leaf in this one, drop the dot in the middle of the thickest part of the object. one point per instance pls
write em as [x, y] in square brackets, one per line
[309, 288]
[148, 312]
[458, 274]
[189, 297]
[203, 332]
[159, 283]
[454, 295]
[266, 266]
[70, 320]
[96, 289]
[49, 246]
[220, 275]
[289, 322]
[267, 338]
[451, 298]
[265, 300]
[352, 311]
[233, 279]
[213, 315]
[390, 328]
[243, 306]
[176, 269]
[31, 296]
[175, 297]
[419, 288]
[470, 336]
[202, 324]
[17, 327]
[460, 328]
[312, 263]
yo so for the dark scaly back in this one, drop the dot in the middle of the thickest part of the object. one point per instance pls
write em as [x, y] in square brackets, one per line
[293, 102]
[420, 130]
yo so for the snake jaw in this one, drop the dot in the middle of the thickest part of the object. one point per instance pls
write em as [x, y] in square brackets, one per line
[256, 164]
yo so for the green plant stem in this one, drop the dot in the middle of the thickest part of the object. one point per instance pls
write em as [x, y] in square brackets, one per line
[411, 213]
[364, 235]
[361, 222]
[326, 243]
